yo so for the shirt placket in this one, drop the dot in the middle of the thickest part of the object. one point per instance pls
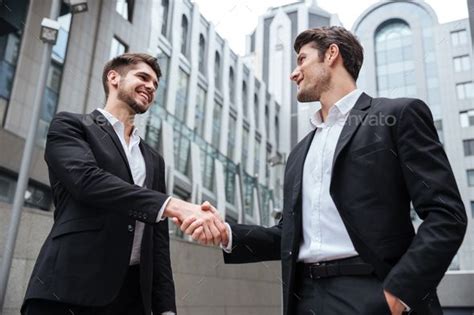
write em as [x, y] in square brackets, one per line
[317, 175]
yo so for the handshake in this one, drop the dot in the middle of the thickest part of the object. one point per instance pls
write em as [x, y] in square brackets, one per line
[202, 222]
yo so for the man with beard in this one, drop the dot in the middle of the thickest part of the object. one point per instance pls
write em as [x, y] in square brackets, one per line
[346, 241]
[108, 249]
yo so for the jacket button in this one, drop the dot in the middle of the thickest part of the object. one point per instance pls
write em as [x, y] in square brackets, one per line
[130, 228]
[290, 253]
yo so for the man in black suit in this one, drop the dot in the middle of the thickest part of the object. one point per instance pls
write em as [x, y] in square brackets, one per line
[346, 240]
[108, 250]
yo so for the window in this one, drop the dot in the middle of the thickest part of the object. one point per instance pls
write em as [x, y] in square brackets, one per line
[277, 132]
[459, 37]
[245, 148]
[465, 90]
[231, 85]
[53, 85]
[200, 113]
[125, 9]
[255, 109]
[184, 35]
[117, 48]
[181, 95]
[217, 70]
[163, 61]
[207, 165]
[394, 59]
[181, 143]
[202, 53]
[462, 63]
[267, 120]
[257, 157]
[467, 118]
[165, 4]
[470, 177]
[468, 147]
[231, 137]
[472, 209]
[216, 124]
[36, 196]
[245, 101]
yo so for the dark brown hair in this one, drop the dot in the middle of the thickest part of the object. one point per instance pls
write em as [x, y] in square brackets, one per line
[322, 37]
[122, 63]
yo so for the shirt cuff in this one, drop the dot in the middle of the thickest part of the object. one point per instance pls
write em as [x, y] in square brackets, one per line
[407, 308]
[168, 313]
[228, 248]
[162, 210]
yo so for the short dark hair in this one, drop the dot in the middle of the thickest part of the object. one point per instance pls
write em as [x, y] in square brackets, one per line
[122, 62]
[349, 46]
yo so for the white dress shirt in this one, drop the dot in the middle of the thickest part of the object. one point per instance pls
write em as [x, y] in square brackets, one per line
[138, 169]
[324, 235]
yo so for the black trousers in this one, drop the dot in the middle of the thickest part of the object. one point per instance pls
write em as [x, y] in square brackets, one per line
[341, 295]
[127, 302]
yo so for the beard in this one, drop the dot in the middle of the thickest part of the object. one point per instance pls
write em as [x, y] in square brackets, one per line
[320, 85]
[126, 97]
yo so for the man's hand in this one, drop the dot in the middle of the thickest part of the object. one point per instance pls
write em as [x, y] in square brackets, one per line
[395, 305]
[207, 226]
[193, 227]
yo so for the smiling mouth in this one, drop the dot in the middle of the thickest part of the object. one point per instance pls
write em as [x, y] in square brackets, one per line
[147, 98]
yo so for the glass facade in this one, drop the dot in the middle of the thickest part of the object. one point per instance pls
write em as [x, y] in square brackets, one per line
[10, 38]
[395, 60]
[117, 48]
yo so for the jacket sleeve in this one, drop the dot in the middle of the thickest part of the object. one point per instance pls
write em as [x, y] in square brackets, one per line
[163, 291]
[254, 243]
[72, 162]
[432, 188]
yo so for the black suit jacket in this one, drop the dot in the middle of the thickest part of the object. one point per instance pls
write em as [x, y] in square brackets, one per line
[388, 155]
[86, 255]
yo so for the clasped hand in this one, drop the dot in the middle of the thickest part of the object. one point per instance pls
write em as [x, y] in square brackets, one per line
[203, 223]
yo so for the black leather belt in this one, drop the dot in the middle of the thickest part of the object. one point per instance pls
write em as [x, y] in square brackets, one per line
[353, 266]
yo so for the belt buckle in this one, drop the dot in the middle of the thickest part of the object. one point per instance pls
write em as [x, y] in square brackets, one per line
[317, 264]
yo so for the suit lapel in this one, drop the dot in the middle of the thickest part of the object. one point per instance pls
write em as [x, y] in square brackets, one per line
[148, 164]
[104, 123]
[355, 118]
[297, 166]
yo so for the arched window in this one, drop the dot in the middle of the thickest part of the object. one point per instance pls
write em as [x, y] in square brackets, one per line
[394, 58]
[165, 4]
[184, 34]
[217, 70]
[231, 85]
[245, 105]
[202, 51]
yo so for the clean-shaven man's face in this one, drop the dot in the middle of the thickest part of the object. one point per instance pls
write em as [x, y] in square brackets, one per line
[311, 75]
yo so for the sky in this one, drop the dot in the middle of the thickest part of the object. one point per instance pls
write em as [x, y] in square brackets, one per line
[234, 19]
